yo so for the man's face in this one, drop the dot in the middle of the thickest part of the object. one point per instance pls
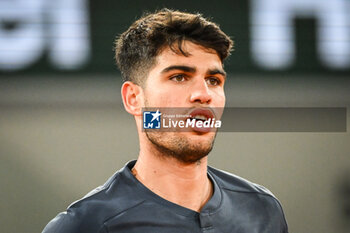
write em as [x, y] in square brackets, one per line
[193, 81]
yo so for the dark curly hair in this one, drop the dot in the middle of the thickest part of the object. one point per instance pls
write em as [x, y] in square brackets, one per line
[136, 49]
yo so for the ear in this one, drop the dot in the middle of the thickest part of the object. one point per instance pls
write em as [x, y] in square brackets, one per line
[132, 95]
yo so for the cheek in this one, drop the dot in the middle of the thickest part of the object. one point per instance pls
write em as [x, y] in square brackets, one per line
[160, 97]
[223, 97]
[219, 98]
[169, 93]
[170, 99]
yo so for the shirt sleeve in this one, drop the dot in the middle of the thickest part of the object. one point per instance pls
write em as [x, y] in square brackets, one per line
[59, 224]
[72, 222]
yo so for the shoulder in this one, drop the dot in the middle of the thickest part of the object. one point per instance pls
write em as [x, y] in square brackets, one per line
[253, 197]
[90, 213]
[236, 183]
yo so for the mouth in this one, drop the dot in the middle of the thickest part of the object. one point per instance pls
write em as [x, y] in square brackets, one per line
[201, 114]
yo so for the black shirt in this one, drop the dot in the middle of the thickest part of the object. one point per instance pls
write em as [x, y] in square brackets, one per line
[125, 205]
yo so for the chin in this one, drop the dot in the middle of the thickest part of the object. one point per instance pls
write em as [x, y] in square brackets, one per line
[185, 147]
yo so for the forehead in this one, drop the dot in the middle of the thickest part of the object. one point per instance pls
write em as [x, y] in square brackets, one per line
[196, 56]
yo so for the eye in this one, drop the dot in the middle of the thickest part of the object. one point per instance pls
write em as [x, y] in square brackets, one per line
[213, 81]
[178, 78]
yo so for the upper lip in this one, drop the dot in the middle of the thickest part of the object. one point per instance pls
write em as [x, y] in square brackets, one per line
[206, 112]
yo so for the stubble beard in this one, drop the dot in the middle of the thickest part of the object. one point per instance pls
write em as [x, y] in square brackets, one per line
[180, 147]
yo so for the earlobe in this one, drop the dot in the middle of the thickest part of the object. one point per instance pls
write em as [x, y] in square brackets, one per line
[132, 96]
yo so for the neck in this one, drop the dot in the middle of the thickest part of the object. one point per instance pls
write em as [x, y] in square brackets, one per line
[168, 178]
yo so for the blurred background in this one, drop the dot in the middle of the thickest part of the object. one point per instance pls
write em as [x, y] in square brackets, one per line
[63, 129]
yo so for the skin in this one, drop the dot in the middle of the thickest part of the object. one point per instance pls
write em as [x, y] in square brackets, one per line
[171, 162]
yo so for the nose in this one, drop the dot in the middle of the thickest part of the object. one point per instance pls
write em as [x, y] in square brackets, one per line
[200, 93]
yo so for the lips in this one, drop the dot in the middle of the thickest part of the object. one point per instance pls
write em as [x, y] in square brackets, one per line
[201, 114]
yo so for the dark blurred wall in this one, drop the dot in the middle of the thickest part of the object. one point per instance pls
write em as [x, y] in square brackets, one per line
[63, 129]
[272, 37]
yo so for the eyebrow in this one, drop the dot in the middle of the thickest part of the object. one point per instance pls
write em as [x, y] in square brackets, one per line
[183, 68]
[217, 71]
[193, 70]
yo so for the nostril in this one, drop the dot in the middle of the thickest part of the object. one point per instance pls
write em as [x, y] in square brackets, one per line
[201, 99]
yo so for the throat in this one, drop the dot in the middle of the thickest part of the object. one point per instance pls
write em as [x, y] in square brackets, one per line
[186, 192]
